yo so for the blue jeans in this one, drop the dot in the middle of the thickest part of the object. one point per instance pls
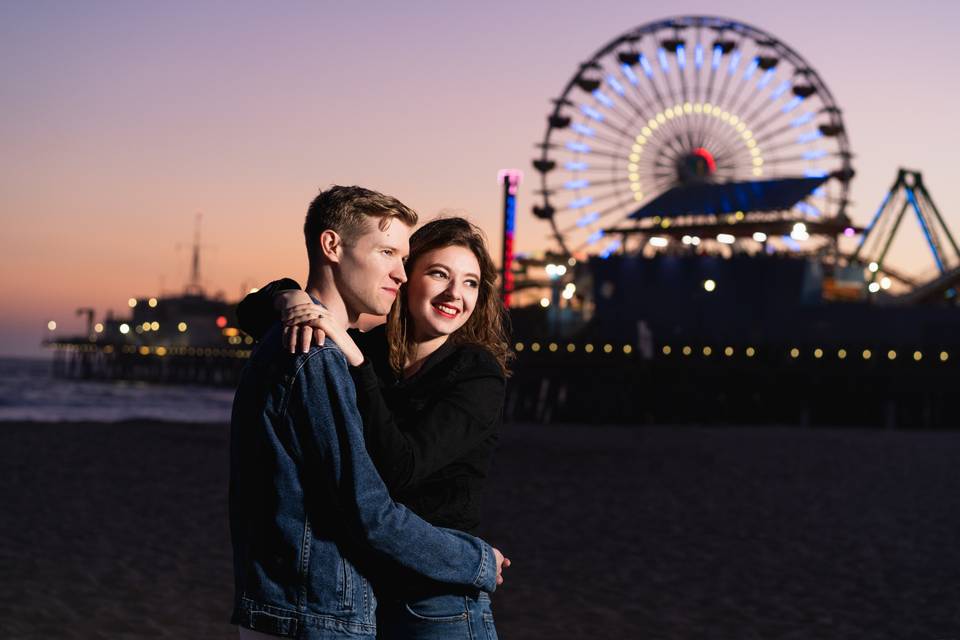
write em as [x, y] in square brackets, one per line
[437, 617]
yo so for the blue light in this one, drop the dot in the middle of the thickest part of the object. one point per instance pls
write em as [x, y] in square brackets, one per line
[630, 75]
[610, 248]
[579, 147]
[682, 57]
[698, 55]
[820, 191]
[717, 56]
[580, 203]
[765, 80]
[588, 219]
[734, 62]
[662, 55]
[603, 98]
[793, 104]
[576, 184]
[575, 166]
[582, 129]
[810, 136]
[780, 90]
[615, 85]
[595, 236]
[590, 112]
[802, 120]
[926, 230]
[813, 155]
[790, 242]
[815, 173]
[751, 68]
[876, 216]
[808, 209]
[647, 69]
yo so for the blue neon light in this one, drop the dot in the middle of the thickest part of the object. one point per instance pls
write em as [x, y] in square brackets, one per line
[582, 129]
[780, 90]
[682, 57]
[575, 166]
[590, 112]
[793, 104]
[576, 184]
[808, 209]
[813, 155]
[810, 136]
[603, 98]
[926, 230]
[734, 62]
[580, 203]
[610, 248]
[630, 75]
[511, 214]
[595, 236]
[615, 85]
[717, 56]
[876, 217]
[662, 55]
[751, 68]
[765, 80]
[579, 147]
[820, 191]
[647, 69]
[790, 242]
[698, 55]
[802, 120]
[588, 219]
[815, 173]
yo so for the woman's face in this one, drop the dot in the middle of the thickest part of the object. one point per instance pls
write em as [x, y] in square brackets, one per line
[442, 291]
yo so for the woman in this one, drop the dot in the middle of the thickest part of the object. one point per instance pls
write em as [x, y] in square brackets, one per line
[430, 389]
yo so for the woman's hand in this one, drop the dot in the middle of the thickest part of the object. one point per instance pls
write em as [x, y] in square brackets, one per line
[311, 324]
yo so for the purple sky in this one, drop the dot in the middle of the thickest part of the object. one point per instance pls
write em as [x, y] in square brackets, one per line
[121, 120]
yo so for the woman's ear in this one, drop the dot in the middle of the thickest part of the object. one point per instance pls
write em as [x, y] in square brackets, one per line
[331, 245]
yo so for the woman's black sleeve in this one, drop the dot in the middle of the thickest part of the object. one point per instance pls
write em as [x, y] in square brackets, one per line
[255, 313]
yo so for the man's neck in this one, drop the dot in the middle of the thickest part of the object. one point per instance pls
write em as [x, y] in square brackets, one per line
[322, 287]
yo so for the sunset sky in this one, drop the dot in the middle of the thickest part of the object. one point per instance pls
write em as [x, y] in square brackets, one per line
[121, 120]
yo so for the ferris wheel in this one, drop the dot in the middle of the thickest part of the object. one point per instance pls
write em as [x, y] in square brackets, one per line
[682, 104]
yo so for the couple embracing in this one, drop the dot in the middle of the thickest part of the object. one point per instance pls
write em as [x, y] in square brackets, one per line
[358, 457]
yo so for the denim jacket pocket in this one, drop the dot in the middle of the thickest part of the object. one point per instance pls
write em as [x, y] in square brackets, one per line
[439, 608]
[347, 580]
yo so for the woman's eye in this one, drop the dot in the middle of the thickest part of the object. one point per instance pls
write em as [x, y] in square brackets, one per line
[439, 274]
[472, 283]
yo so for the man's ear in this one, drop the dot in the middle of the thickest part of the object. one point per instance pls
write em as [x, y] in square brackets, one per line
[331, 245]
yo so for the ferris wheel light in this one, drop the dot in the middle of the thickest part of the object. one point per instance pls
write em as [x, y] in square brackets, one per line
[760, 236]
[802, 120]
[632, 167]
[615, 85]
[603, 98]
[873, 267]
[734, 120]
[634, 177]
[669, 113]
[658, 241]
[874, 287]
[629, 74]
[634, 157]
[725, 238]
[757, 171]
[793, 104]
[687, 107]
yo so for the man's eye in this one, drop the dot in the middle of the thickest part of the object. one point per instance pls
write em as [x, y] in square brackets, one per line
[387, 252]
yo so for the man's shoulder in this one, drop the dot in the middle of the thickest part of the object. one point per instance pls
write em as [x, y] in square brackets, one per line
[272, 353]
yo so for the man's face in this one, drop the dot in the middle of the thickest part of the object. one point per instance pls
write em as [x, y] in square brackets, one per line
[371, 267]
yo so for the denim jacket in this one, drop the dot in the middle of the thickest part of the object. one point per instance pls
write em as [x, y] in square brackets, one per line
[309, 516]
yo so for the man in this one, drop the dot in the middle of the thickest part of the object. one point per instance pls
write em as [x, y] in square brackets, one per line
[309, 515]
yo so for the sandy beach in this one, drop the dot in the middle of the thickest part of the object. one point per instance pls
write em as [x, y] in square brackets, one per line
[120, 531]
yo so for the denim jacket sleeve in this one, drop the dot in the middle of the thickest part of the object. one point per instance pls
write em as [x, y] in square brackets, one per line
[323, 392]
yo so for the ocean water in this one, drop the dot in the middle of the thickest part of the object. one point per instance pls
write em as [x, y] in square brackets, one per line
[28, 392]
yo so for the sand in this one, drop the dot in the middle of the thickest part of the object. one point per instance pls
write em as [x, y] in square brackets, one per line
[120, 531]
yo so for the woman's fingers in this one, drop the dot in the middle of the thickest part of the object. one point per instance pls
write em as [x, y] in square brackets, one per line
[306, 335]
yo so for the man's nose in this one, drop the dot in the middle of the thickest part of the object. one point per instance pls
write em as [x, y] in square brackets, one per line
[399, 274]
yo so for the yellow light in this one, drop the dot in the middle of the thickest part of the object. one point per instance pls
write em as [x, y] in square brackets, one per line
[145, 326]
[758, 162]
[634, 157]
[687, 107]
[518, 346]
[728, 351]
[638, 196]
[248, 340]
[725, 116]
[661, 118]
[182, 327]
[641, 139]
[544, 302]
[794, 353]
[757, 171]
[687, 351]
[535, 347]
[842, 354]
[707, 351]
[708, 108]
[818, 353]
[152, 302]
[698, 108]
[751, 352]
[734, 120]
[632, 167]
[132, 302]
[866, 354]
[918, 356]
[752, 144]
[709, 285]
[607, 348]
[754, 151]
[635, 186]
[646, 131]
[161, 351]
[740, 215]
[552, 346]
[634, 176]
[98, 328]
[667, 350]
[231, 332]
[636, 148]
[670, 112]
[747, 134]
[741, 127]
[944, 356]
[627, 349]
[144, 351]
[588, 348]
[892, 354]
[124, 328]
[571, 348]
[52, 326]
[155, 325]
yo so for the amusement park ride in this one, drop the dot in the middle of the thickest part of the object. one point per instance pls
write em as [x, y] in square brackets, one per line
[695, 175]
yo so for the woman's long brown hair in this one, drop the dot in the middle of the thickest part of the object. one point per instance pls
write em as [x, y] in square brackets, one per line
[486, 326]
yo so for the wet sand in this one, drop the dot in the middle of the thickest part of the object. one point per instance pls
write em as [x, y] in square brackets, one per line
[120, 531]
